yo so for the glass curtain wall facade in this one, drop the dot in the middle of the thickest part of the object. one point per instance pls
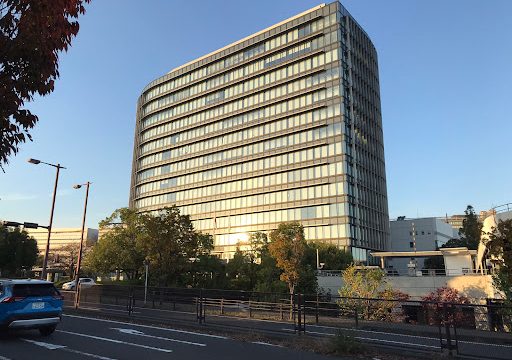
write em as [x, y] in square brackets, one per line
[284, 125]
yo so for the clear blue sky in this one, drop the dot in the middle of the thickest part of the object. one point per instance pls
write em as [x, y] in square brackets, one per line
[446, 89]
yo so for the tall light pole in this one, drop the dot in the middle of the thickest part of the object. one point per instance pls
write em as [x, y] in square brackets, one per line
[146, 267]
[77, 273]
[47, 249]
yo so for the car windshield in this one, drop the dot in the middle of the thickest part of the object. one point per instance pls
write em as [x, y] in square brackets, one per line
[37, 290]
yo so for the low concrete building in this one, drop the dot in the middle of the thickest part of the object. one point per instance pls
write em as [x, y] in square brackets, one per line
[457, 261]
[416, 235]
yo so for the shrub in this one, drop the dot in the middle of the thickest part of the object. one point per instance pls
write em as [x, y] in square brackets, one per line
[343, 344]
[445, 306]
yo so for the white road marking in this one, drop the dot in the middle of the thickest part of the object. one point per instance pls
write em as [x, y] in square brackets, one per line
[140, 333]
[398, 334]
[45, 345]
[268, 344]
[486, 344]
[63, 348]
[114, 341]
[94, 356]
[129, 331]
[396, 342]
[374, 339]
[4, 358]
[376, 332]
[99, 309]
[147, 326]
[106, 306]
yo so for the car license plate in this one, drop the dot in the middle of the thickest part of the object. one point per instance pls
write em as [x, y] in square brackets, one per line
[38, 305]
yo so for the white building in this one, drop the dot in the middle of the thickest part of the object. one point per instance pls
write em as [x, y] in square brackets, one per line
[416, 235]
[61, 237]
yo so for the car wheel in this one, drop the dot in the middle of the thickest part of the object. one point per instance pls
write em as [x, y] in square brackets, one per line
[47, 330]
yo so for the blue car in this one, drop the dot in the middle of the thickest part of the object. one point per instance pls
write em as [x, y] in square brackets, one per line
[29, 304]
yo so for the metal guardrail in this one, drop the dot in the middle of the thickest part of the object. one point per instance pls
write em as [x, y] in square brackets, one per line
[451, 324]
[502, 208]
[434, 272]
[319, 308]
[414, 272]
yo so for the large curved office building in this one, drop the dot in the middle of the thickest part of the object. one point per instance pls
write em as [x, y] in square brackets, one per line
[283, 125]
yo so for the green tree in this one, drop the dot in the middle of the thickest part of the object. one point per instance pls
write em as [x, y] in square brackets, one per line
[499, 246]
[207, 271]
[171, 244]
[268, 274]
[331, 256]
[287, 246]
[361, 284]
[471, 229]
[241, 271]
[118, 248]
[258, 245]
[32, 33]
[67, 256]
[18, 252]
[454, 243]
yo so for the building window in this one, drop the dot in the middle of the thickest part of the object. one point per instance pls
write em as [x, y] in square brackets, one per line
[411, 244]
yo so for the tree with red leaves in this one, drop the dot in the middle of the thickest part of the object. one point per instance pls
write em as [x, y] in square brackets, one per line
[32, 33]
[447, 305]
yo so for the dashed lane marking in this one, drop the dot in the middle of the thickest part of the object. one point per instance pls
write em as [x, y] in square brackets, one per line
[148, 327]
[50, 346]
[114, 341]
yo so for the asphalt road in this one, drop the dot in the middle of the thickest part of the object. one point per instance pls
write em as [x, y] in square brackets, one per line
[484, 348]
[82, 337]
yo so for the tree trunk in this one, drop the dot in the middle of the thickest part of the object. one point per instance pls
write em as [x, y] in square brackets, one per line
[291, 288]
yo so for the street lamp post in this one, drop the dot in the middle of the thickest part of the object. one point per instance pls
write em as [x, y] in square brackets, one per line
[146, 267]
[47, 249]
[77, 273]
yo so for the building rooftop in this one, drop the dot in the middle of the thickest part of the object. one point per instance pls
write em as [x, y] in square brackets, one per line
[249, 37]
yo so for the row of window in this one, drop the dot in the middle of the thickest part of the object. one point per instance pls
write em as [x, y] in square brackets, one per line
[227, 108]
[243, 55]
[254, 221]
[260, 182]
[241, 152]
[238, 169]
[241, 137]
[278, 197]
[295, 86]
[311, 233]
[241, 73]
[176, 125]
[244, 135]
[299, 103]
